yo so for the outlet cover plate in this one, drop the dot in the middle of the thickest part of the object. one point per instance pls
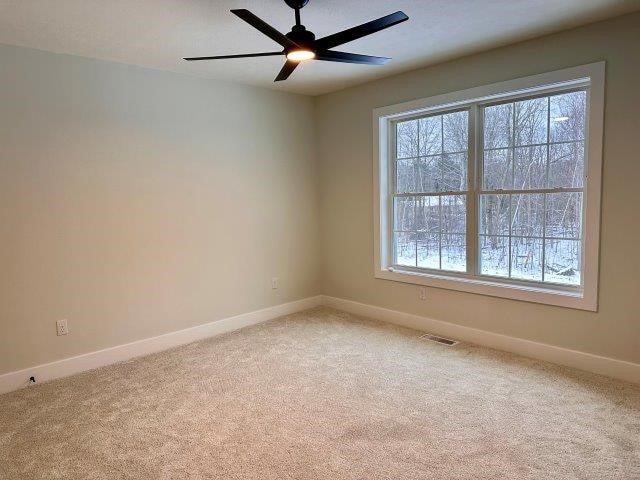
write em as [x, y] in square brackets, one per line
[62, 327]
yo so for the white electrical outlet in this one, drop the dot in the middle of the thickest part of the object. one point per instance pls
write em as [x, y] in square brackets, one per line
[423, 293]
[274, 283]
[61, 327]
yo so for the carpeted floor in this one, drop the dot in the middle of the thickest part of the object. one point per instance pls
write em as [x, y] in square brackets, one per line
[323, 395]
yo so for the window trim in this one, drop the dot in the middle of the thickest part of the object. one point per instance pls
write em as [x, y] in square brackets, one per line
[585, 298]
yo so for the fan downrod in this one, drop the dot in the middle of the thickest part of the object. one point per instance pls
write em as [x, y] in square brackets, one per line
[296, 4]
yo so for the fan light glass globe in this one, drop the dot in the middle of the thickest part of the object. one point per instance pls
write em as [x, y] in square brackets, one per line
[300, 55]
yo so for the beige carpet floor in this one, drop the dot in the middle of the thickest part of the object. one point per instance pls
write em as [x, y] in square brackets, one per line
[323, 395]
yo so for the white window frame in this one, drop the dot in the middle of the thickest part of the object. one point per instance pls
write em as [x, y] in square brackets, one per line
[584, 297]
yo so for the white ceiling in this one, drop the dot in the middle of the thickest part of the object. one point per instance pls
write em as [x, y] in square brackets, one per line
[158, 33]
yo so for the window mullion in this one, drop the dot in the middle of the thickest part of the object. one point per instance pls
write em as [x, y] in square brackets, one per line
[512, 160]
[544, 195]
[473, 186]
[438, 187]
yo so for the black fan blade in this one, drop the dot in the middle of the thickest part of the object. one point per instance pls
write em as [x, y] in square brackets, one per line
[287, 70]
[333, 56]
[360, 31]
[264, 27]
[243, 55]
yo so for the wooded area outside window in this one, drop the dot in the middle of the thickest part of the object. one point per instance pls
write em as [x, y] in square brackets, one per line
[495, 194]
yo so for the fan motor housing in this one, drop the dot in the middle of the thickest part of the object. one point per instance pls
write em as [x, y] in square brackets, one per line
[301, 35]
[296, 4]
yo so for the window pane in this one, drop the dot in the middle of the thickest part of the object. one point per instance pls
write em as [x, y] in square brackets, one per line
[454, 172]
[566, 165]
[417, 175]
[404, 213]
[494, 255]
[429, 250]
[405, 248]
[454, 252]
[531, 118]
[428, 214]
[562, 261]
[530, 165]
[498, 126]
[454, 130]
[429, 174]
[497, 169]
[494, 214]
[430, 135]
[526, 258]
[406, 176]
[407, 139]
[453, 210]
[564, 215]
[567, 115]
[527, 213]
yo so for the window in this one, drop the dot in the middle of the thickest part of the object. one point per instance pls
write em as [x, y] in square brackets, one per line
[430, 192]
[496, 189]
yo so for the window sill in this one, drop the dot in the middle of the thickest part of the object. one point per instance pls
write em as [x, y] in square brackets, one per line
[526, 293]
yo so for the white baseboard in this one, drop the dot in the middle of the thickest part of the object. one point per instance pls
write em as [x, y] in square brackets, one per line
[610, 367]
[584, 361]
[68, 366]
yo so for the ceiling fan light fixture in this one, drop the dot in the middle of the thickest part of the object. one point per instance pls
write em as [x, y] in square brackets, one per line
[300, 55]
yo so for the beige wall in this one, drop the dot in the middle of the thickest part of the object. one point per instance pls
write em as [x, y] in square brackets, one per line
[135, 202]
[345, 154]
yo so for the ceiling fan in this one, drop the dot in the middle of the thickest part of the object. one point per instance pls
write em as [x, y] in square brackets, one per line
[301, 44]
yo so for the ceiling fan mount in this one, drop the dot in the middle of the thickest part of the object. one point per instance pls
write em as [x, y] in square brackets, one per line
[301, 44]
